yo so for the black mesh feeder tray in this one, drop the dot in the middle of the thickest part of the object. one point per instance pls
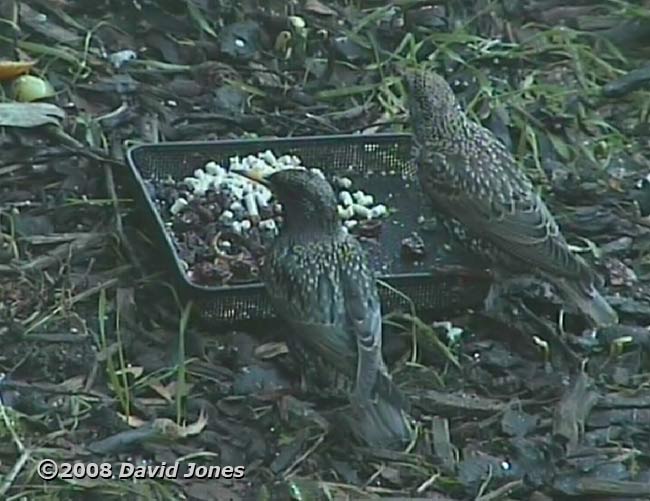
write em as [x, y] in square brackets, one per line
[377, 164]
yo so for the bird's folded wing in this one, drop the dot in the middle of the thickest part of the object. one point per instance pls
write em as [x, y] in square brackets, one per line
[330, 342]
[509, 213]
[364, 318]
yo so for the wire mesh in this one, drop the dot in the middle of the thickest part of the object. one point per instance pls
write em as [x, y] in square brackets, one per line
[377, 164]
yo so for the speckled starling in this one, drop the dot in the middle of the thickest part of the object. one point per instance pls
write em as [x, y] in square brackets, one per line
[319, 281]
[487, 202]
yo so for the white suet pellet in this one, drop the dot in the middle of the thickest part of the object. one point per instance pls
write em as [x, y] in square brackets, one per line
[284, 160]
[191, 182]
[268, 157]
[225, 244]
[255, 163]
[236, 226]
[345, 198]
[246, 224]
[227, 216]
[368, 200]
[268, 225]
[202, 188]
[378, 211]
[343, 182]
[250, 202]
[345, 212]
[345, 229]
[263, 197]
[214, 169]
[234, 161]
[178, 206]
[236, 206]
[359, 196]
[350, 223]
[361, 211]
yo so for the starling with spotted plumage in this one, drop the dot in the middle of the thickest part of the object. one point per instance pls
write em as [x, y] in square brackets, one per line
[488, 203]
[319, 281]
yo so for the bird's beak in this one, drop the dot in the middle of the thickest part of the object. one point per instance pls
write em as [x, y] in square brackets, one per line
[257, 175]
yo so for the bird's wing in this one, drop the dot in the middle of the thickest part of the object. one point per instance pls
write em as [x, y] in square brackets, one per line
[500, 205]
[363, 312]
[310, 302]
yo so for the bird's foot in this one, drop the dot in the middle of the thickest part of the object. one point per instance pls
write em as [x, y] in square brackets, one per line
[518, 284]
[497, 301]
[502, 288]
[494, 302]
[504, 307]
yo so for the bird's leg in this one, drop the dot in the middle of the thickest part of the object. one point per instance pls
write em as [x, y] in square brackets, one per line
[518, 284]
[491, 305]
[315, 374]
[298, 354]
[493, 297]
[502, 287]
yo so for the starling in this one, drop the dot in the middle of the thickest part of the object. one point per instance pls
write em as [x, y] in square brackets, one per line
[320, 282]
[488, 203]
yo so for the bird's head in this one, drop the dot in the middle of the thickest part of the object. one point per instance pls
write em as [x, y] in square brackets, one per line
[433, 107]
[307, 198]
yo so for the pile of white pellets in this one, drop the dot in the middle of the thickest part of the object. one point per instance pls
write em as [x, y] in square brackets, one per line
[247, 198]
[220, 221]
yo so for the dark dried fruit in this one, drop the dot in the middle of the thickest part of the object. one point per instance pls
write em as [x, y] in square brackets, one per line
[243, 269]
[370, 228]
[207, 213]
[413, 247]
[187, 221]
[206, 273]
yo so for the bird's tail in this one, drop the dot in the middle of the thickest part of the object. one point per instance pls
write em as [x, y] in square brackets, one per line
[383, 421]
[381, 424]
[589, 301]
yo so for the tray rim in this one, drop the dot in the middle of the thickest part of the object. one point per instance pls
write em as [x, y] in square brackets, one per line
[383, 137]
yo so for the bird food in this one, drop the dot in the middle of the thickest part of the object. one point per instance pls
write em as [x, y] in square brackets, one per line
[221, 222]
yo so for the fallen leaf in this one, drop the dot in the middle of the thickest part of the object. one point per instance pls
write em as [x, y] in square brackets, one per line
[169, 429]
[198, 426]
[29, 114]
[168, 392]
[271, 350]
[12, 69]
[134, 371]
[73, 384]
[317, 7]
[133, 421]
[163, 391]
